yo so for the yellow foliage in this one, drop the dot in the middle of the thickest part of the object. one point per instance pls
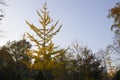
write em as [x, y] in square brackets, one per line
[46, 56]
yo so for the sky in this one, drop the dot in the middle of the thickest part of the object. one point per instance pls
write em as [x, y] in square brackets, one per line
[84, 21]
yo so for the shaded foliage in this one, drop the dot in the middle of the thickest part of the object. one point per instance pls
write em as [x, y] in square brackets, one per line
[6, 65]
[11, 68]
[18, 49]
[85, 64]
[115, 14]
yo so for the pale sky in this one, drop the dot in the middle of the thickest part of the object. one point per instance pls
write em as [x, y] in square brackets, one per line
[84, 21]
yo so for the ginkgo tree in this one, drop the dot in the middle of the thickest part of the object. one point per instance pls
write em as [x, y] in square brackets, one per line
[45, 55]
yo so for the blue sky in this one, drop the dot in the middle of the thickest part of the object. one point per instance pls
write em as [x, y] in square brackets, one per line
[84, 21]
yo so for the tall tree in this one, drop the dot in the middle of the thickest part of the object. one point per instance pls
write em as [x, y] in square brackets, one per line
[46, 56]
[115, 14]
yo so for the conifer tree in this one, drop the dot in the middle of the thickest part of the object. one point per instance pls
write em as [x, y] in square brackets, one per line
[46, 56]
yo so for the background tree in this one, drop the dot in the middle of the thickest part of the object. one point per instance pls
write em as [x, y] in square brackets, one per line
[115, 49]
[6, 65]
[11, 66]
[83, 64]
[18, 49]
[103, 57]
[107, 61]
[115, 14]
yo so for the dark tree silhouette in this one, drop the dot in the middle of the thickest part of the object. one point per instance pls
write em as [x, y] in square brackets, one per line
[82, 64]
[11, 67]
